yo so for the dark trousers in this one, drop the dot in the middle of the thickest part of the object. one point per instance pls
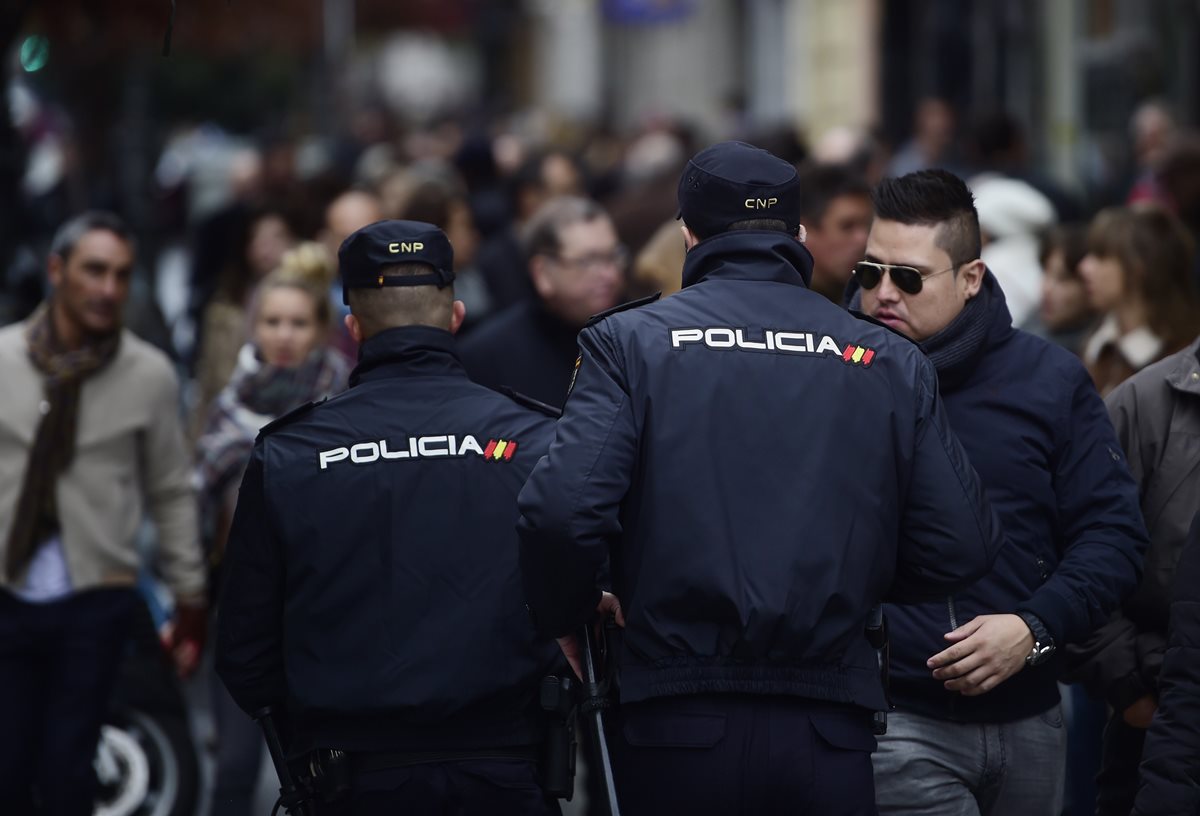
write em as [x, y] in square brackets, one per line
[742, 754]
[1117, 783]
[495, 787]
[58, 662]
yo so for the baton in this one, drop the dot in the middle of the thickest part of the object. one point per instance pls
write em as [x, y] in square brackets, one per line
[594, 703]
[289, 794]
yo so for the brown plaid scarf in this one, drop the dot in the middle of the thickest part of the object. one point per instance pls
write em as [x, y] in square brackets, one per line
[54, 442]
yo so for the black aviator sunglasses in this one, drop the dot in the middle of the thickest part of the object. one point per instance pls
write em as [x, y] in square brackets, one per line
[907, 278]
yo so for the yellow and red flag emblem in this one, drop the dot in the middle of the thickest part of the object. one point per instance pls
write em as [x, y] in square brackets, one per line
[498, 449]
[858, 355]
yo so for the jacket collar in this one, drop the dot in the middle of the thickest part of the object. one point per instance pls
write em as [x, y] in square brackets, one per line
[407, 351]
[983, 324]
[749, 255]
[1185, 375]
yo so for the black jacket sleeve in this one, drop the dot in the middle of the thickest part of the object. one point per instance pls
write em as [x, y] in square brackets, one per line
[570, 505]
[949, 536]
[249, 655]
[1170, 774]
[1101, 521]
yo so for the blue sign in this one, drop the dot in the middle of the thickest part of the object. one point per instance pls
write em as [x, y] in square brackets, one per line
[644, 12]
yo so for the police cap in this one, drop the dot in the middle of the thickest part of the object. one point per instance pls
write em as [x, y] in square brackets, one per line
[734, 181]
[366, 253]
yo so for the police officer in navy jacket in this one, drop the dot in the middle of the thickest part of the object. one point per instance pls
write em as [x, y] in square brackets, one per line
[762, 468]
[373, 593]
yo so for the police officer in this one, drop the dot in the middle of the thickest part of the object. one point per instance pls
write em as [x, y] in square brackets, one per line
[762, 468]
[373, 589]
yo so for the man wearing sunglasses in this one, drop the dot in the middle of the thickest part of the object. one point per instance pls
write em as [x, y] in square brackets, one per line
[978, 726]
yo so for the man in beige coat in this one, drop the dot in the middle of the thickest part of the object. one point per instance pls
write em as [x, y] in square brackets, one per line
[89, 431]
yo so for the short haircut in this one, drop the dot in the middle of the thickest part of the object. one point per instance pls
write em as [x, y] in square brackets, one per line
[762, 224]
[543, 233]
[933, 198]
[388, 307]
[820, 184]
[68, 235]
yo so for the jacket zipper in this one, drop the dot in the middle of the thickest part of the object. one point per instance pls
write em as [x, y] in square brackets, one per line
[953, 615]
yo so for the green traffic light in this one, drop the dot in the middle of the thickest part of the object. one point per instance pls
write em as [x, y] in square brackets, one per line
[35, 53]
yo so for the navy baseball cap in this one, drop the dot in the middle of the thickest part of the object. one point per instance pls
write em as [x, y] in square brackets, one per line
[366, 253]
[734, 181]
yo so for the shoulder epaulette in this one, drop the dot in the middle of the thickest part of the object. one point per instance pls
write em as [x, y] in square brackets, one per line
[530, 402]
[866, 317]
[632, 304]
[289, 417]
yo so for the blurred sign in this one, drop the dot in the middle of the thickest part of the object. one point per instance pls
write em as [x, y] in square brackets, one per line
[647, 12]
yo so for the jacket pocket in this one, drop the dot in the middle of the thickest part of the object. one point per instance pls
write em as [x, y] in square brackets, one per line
[843, 730]
[674, 729]
[951, 612]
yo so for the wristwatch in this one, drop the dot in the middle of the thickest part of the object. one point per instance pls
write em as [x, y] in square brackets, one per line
[1043, 644]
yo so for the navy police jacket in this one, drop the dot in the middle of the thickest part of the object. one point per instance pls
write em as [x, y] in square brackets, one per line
[372, 582]
[763, 468]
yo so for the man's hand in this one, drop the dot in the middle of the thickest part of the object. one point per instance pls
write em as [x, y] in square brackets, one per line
[572, 649]
[187, 634]
[1141, 712]
[987, 651]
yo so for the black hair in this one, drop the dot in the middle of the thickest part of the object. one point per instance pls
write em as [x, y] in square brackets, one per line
[820, 184]
[933, 198]
[67, 236]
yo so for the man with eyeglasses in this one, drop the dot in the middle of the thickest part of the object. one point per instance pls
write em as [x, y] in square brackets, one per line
[978, 726]
[762, 469]
[577, 267]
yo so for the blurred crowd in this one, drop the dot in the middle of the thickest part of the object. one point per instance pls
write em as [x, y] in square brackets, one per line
[236, 275]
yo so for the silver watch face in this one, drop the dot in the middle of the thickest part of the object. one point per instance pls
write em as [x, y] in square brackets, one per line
[1039, 654]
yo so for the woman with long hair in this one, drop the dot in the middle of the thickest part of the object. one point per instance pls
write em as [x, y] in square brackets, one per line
[1138, 276]
[287, 363]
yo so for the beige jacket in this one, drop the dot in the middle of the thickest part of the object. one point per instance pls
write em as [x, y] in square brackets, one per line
[129, 452]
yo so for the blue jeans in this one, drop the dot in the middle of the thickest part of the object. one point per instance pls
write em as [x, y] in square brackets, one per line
[938, 768]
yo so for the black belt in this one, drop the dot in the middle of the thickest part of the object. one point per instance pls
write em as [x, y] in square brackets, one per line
[385, 760]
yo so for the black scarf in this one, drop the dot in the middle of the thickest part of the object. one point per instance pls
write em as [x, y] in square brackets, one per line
[954, 350]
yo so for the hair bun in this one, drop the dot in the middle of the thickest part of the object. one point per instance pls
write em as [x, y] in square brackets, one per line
[310, 263]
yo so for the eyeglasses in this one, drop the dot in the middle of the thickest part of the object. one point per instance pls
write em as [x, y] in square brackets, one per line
[618, 257]
[907, 278]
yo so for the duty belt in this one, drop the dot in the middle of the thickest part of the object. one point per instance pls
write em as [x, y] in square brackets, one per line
[386, 760]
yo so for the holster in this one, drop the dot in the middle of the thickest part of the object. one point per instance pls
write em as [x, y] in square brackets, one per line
[558, 696]
[877, 635]
[311, 784]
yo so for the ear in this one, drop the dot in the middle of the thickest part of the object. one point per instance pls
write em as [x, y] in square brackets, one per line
[971, 277]
[354, 327]
[458, 313]
[689, 238]
[55, 270]
[802, 234]
[539, 273]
